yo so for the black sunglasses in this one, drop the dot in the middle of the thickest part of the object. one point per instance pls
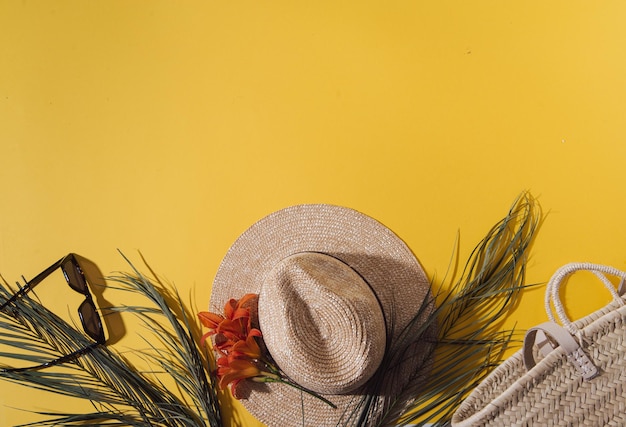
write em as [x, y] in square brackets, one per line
[89, 317]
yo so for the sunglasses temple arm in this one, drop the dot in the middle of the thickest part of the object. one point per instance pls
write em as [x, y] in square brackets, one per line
[54, 362]
[28, 286]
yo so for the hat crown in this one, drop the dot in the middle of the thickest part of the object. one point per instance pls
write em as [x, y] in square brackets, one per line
[321, 322]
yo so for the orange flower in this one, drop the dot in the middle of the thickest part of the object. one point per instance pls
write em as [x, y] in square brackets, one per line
[223, 344]
[236, 321]
[232, 370]
[211, 321]
[248, 348]
[235, 340]
[234, 329]
[235, 309]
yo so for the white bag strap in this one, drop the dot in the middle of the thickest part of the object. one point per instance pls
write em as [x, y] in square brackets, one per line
[564, 340]
[554, 285]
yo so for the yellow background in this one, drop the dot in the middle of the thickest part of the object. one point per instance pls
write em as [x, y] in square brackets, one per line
[170, 127]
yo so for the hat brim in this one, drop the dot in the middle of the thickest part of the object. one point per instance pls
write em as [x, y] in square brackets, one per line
[372, 250]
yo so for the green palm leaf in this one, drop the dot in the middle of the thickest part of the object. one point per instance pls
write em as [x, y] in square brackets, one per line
[119, 393]
[463, 332]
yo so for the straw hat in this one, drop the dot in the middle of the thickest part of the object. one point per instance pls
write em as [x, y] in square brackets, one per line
[336, 288]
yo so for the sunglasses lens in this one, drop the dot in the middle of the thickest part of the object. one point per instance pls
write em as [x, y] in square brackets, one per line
[91, 321]
[74, 276]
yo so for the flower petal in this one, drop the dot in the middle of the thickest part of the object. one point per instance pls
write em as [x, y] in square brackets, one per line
[230, 307]
[249, 348]
[237, 369]
[210, 320]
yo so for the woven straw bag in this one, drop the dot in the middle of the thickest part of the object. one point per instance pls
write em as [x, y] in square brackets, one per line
[567, 373]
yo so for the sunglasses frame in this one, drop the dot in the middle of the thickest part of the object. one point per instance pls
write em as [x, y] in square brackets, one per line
[82, 288]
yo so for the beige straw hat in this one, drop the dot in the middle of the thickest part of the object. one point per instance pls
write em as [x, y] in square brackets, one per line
[336, 288]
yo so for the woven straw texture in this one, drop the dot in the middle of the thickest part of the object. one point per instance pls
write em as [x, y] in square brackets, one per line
[553, 392]
[317, 312]
[374, 252]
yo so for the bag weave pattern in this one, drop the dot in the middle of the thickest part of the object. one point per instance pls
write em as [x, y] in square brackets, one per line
[553, 392]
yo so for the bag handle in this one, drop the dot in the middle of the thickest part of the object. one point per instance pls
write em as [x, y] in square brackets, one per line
[554, 285]
[564, 340]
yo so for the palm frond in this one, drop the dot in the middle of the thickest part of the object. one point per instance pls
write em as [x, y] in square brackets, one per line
[463, 332]
[119, 393]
